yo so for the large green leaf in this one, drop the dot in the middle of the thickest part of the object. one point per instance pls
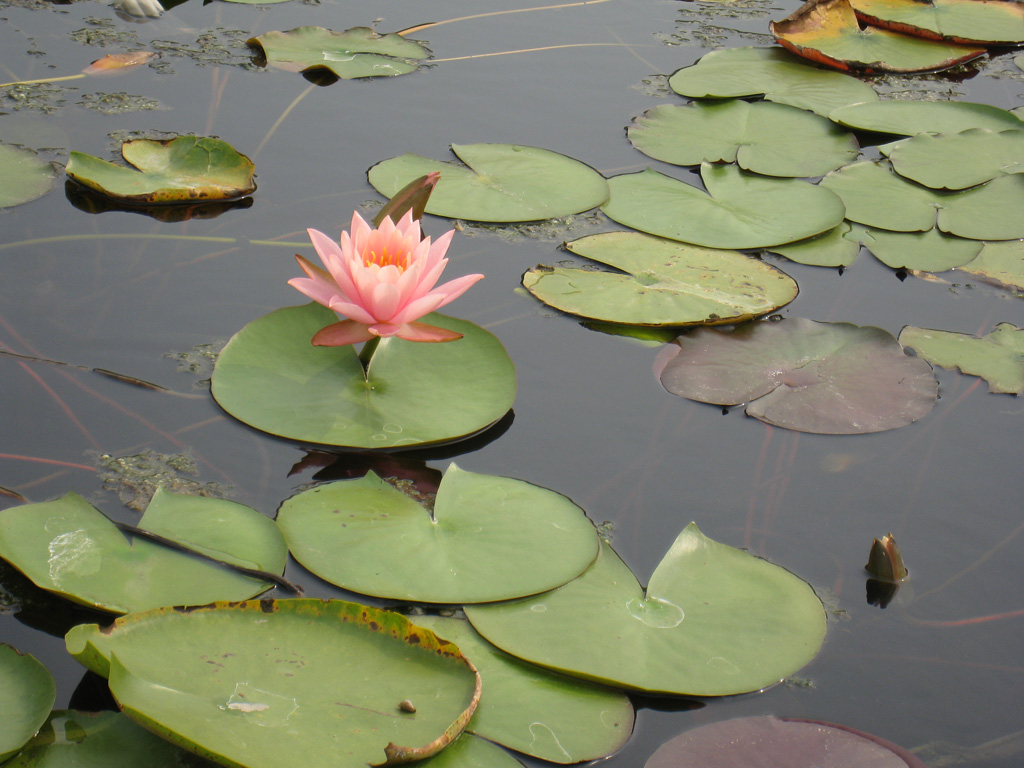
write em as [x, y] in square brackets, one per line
[271, 377]
[930, 251]
[825, 378]
[831, 249]
[713, 621]
[27, 693]
[827, 31]
[470, 751]
[186, 169]
[780, 76]
[487, 538]
[280, 683]
[23, 176]
[68, 547]
[997, 357]
[988, 22]
[661, 282]
[875, 196]
[907, 118]
[356, 52]
[959, 160]
[1001, 263]
[536, 711]
[771, 139]
[739, 210]
[503, 182]
[98, 740]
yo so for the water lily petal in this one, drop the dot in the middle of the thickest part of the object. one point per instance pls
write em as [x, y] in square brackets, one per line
[318, 286]
[426, 332]
[332, 256]
[352, 311]
[342, 333]
[385, 301]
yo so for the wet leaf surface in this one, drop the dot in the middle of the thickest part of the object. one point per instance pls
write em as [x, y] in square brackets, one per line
[27, 692]
[24, 176]
[997, 357]
[985, 22]
[356, 52]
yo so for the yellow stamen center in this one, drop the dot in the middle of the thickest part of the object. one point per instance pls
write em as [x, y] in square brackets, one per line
[385, 258]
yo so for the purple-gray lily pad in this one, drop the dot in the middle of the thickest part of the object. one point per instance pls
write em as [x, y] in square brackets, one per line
[825, 378]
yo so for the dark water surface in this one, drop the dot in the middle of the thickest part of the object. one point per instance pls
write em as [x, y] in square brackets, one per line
[940, 664]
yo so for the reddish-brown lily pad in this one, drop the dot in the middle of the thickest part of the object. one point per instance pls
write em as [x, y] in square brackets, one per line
[825, 378]
[985, 22]
[827, 31]
[771, 742]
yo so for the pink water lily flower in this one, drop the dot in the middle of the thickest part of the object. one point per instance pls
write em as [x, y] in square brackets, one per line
[382, 280]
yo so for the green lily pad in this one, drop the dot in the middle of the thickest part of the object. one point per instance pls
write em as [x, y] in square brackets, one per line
[27, 693]
[959, 160]
[831, 249]
[997, 357]
[766, 138]
[470, 751]
[186, 169]
[535, 711]
[987, 22]
[271, 377]
[713, 621]
[931, 251]
[773, 72]
[661, 283]
[875, 196]
[356, 52]
[502, 183]
[908, 118]
[97, 740]
[828, 32]
[487, 538]
[739, 210]
[315, 682]
[824, 378]
[23, 176]
[1001, 263]
[68, 547]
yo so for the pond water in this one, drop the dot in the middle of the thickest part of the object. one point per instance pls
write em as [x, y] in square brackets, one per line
[939, 669]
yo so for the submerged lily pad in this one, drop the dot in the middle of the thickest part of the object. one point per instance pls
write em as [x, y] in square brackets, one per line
[68, 547]
[997, 357]
[739, 210]
[985, 22]
[959, 160]
[536, 711]
[487, 538]
[97, 740]
[316, 683]
[502, 183]
[713, 621]
[875, 196]
[24, 176]
[771, 742]
[825, 378]
[827, 31]
[356, 52]
[186, 169]
[766, 138]
[27, 693]
[773, 72]
[908, 118]
[271, 377]
[1001, 263]
[661, 283]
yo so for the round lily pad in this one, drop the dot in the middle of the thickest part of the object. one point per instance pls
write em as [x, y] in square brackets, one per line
[502, 183]
[97, 740]
[487, 538]
[739, 210]
[535, 711]
[67, 546]
[959, 160]
[713, 621]
[908, 118]
[271, 377]
[825, 378]
[771, 742]
[773, 72]
[661, 282]
[356, 52]
[1000, 263]
[930, 251]
[766, 138]
[24, 176]
[997, 357]
[27, 693]
[186, 169]
[470, 751]
[986, 22]
[830, 249]
[315, 682]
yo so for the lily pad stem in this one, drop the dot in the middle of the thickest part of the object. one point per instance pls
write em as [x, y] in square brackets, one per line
[367, 352]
